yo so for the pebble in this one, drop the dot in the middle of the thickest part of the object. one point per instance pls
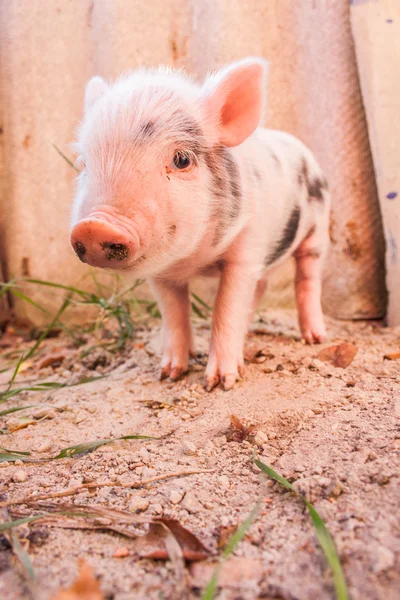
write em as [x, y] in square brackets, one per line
[138, 505]
[20, 476]
[189, 448]
[157, 508]
[144, 455]
[121, 552]
[44, 446]
[220, 440]
[260, 438]
[44, 413]
[191, 504]
[224, 481]
[176, 496]
[79, 417]
[385, 559]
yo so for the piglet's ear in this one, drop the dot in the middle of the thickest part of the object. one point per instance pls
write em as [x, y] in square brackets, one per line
[235, 97]
[95, 87]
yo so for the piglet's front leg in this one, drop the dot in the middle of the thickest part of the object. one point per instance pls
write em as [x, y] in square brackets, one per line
[173, 301]
[231, 313]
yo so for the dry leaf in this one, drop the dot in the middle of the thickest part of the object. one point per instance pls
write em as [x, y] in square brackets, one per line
[340, 356]
[239, 432]
[224, 534]
[256, 353]
[86, 587]
[393, 356]
[53, 358]
[152, 544]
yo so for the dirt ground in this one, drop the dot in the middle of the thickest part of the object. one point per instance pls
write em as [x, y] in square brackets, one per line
[332, 431]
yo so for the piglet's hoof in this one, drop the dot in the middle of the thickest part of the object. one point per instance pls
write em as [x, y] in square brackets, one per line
[174, 373]
[211, 382]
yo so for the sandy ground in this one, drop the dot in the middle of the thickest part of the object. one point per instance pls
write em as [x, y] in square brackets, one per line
[334, 432]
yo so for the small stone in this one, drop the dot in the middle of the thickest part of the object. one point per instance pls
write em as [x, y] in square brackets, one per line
[157, 508]
[80, 417]
[121, 552]
[44, 413]
[74, 482]
[220, 440]
[191, 504]
[20, 476]
[176, 496]
[144, 455]
[384, 559]
[223, 480]
[138, 505]
[260, 438]
[44, 446]
[299, 468]
[189, 448]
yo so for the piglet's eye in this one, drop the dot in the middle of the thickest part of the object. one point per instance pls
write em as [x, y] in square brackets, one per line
[181, 161]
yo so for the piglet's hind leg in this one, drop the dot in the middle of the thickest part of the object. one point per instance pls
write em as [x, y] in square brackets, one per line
[308, 289]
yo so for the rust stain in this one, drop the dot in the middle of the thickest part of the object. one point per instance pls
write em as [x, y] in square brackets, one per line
[27, 143]
[25, 267]
[89, 16]
[353, 247]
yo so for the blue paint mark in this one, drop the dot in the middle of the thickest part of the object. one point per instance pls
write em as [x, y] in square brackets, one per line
[389, 20]
[391, 195]
[392, 248]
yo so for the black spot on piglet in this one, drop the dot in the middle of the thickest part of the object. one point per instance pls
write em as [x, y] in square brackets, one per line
[287, 238]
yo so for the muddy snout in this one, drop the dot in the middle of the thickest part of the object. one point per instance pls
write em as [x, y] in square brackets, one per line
[103, 244]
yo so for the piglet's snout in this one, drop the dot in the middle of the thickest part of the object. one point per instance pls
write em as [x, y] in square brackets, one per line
[100, 243]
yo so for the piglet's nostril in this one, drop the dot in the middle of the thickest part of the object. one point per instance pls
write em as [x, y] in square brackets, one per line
[115, 251]
[80, 249]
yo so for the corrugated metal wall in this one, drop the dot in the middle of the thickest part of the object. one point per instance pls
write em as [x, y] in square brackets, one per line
[48, 50]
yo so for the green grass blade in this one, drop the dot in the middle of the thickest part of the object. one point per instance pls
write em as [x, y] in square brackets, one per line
[71, 164]
[50, 326]
[328, 547]
[15, 373]
[7, 525]
[60, 286]
[22, 296]
[69, 452]
[3, 413]
[233, 541]
[274, 475]
[200, 301]
[324, 537]
[89, 446]
[211, 589]
[9, 457]
[2, 449]
[241, 531]
[197, 311]
[22, 556]
[45, 385]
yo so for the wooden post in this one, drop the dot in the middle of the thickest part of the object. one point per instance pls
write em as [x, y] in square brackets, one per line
[376, 32]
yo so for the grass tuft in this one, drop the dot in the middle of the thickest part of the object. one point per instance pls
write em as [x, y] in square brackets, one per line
[322, 533]
[211, 589]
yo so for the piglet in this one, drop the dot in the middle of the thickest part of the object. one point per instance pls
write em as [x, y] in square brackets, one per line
[179, 180]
